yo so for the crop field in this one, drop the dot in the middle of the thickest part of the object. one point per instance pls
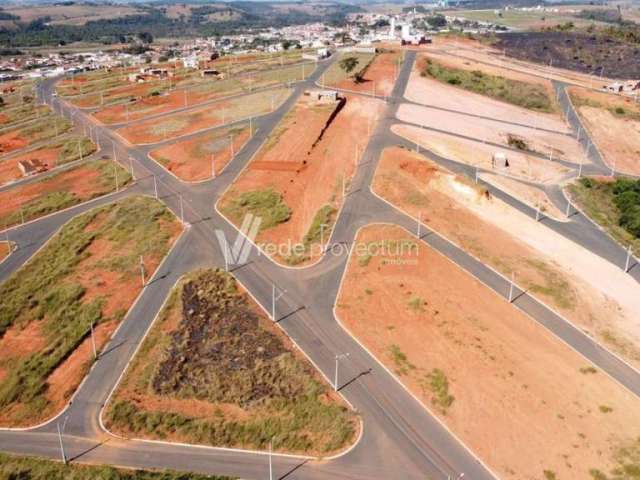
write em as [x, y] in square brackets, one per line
[614, 124]
[188, 383]
[87, 274]
[194, 159]
[16, 138]
[592, 293]
[60, 190]
[336, 75]
[220, 113]
[294, 183]
[201, 92]
[517, 396]
[53, 154]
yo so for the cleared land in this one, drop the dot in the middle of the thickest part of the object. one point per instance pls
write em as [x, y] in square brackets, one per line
[16, 138]
[77, 14]
[215, 370]
[336, 74]
[60, 190]
[476, 152]
[614, 124]
[599, 199]
[5, 250]
[535, 95]
[51, 155]
[194, 159]
[518, 397]
[40, 469]
[294, 183]
[22, 113]
[521, 20]
[377, 77]
[87, 274]
[179, 124]
[597, 296]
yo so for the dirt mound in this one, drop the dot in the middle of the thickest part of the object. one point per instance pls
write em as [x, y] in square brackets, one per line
[221, 354]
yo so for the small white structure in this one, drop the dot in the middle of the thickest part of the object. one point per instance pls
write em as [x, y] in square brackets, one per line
[322, 96]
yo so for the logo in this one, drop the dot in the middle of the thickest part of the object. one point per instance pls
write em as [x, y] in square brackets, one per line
[239, 252]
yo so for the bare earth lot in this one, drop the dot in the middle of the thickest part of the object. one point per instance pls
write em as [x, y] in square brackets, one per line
[614, 124]
[379, 76]
[301, 169]
[191, 160]
[5, 250]
[88, 273]
[179, 124]
[591, 292]
[524, 402]
[215, 370]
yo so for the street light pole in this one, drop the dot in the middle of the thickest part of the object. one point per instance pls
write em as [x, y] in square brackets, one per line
[335, 377]
[274, 299]
[60, 430]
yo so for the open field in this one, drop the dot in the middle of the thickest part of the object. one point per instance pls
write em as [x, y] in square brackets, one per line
[521, 20]
[202, 92]
[597, 296]
[223, 112]
[614, 124]
[22, 113]
[87, 274]
[43, 469]
[188, 383]
[477, 153]
[191, 160]
[294, 183]
[377, 78]
[535, 95]
[60, 190]
[336, 75]
[53, 154]
[77, 14]
[597, 198]
[522, 400]
[16, 138]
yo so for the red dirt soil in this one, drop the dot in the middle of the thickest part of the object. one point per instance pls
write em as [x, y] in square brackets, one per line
[190, 160]
[5, 250]
[313, 178]
[9, 170]
[379, 77]
[522, 400]
[11, 141]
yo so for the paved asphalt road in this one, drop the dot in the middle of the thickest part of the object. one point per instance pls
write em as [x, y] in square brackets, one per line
[401, 439]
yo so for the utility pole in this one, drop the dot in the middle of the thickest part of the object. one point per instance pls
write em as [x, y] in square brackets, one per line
[250, 127]
[213, 165]
[155, 186]
[537, 213]
[93, 342]
[181, 209]
[142, 272]
[628, 261]
[568, 211]
[60, 430]
[80, 149]
[271, 459]
[335, 377]
[274, 299]
[133, 175]
[419, 232]
[115, 174]
[513, 276]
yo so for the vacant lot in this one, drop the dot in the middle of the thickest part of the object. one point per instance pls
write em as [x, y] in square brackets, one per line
[22, 113]
[87, 274]
[338, 72]
[533, 96]
[574, 51]
[51, 155]
[378, 77]
[294, 183]
[214, 370]
[13, 139]
[476, 152]
[597, 296]
[179, 124]
[194, 159]
[602, 198]
[518, 397]
[614, 124]
[60, 190]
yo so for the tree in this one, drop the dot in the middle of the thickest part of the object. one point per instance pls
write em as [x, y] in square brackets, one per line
[348, 64]
[145, 37]
[437, 21]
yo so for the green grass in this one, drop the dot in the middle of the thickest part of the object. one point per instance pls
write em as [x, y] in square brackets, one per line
[282, 398]
[627, 463]
[522, 94]
[402, 364]
[30, 468]
[72, 147]
[50, 201]
[321, 225]
[553, 285]
[23, 113]
[44, 290]
[597, 200]
[266, 204]
[438, 383]
[335, 74]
